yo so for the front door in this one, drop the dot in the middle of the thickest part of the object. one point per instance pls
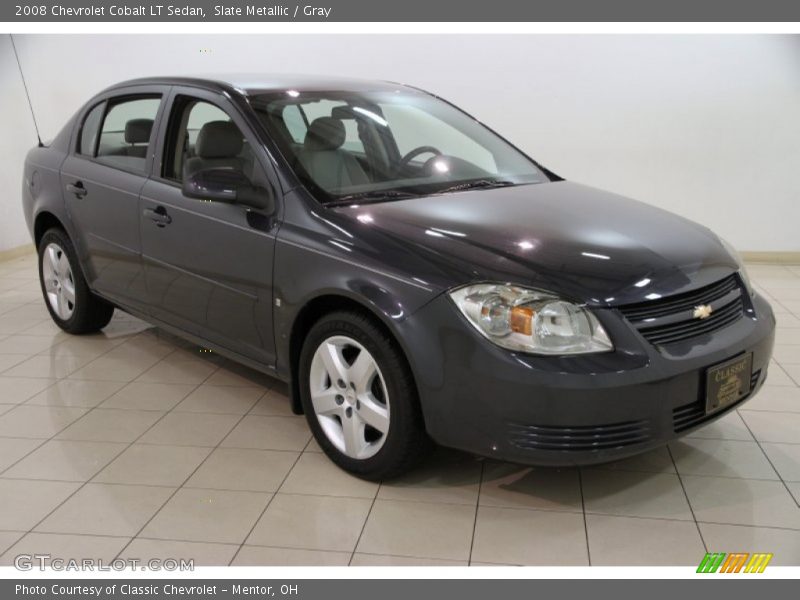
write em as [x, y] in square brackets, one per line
[208, 265]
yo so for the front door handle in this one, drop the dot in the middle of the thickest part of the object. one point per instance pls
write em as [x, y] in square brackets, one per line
[158, 215]
[77, 189]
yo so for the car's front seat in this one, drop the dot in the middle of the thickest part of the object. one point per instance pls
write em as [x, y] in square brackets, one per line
[322, 157]
[218, 146]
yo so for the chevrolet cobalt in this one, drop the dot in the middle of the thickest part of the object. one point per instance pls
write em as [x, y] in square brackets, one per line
[414, 277]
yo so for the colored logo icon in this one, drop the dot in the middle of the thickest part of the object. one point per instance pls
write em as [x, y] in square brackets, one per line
[736, 562]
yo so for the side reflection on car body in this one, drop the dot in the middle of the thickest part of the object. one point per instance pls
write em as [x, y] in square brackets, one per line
[410, 273]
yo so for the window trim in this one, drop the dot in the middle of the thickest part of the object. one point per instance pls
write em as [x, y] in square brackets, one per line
[181, 102]
[79, 136]
[161, 92]
[111, 103]
[241, 113]
[227, 104]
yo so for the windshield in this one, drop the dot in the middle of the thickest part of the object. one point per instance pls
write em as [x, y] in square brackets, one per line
[386, 145]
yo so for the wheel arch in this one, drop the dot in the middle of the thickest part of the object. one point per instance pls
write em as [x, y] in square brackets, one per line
[45, 220]
[311, 312]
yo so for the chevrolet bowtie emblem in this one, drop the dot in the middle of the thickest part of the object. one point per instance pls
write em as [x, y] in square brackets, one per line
[702, 312]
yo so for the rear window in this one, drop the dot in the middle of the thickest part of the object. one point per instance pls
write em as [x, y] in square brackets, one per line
[126, 132]
[90, 129]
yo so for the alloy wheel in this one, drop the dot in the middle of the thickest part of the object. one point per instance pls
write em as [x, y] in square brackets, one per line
[58, 281]
[349, 397]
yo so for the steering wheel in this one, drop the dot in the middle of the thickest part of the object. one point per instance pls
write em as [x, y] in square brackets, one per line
[412, 154]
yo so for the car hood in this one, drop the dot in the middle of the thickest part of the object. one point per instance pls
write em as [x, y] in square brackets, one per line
[583, 243]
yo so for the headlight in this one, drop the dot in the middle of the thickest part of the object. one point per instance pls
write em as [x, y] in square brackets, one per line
[737, 257]
[531, 321]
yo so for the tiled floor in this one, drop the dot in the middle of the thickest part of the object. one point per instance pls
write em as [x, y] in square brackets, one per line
[132, 443]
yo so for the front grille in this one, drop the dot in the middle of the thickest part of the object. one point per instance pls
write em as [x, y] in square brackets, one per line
[682, 330]
[670, 320]
[585, 438]
[694, 414]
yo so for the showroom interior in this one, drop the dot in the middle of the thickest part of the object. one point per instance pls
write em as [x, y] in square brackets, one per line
[133, 442]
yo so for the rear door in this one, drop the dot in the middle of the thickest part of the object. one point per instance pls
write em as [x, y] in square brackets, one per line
[102, 177]
[208, 265]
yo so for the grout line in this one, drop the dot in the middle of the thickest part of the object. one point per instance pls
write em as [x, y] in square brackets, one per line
[102, 535]
[686, 495]
[269, 502]
[771, 464]
[171, 539]
[585, 520]
[52, 437]
[16, 364]
[364, 524]
[455, 560]
[190, 475]
[41, 443]
[406, 500]
[750, 525]
[671, 520]
[399, 555]
[80, 487]
[714, 439]
[90, 480]
[477, 508]
[4, 550]
[140, 443]
[219, 446]
[772, 412]
[785, 372]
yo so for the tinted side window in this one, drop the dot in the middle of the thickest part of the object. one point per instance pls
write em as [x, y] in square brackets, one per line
[125, 135]
[89, 130]
[222, 144]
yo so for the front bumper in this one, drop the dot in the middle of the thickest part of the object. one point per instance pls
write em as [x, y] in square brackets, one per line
[570, 410]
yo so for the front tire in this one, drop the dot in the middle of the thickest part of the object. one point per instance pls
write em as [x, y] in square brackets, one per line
[359, 397]
[70, 302]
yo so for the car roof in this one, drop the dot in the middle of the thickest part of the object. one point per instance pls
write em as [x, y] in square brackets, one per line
[251, 84]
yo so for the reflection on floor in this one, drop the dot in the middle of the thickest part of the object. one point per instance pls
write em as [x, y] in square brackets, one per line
[132, 443]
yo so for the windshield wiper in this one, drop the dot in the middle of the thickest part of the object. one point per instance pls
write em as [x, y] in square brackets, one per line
[373, 196]
[480, 183]
[381, 196]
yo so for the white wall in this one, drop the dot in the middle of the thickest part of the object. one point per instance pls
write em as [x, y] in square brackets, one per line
[705, 126]
[17, 135]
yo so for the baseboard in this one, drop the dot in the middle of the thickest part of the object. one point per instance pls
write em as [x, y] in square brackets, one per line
[12, 253]
[775, 258]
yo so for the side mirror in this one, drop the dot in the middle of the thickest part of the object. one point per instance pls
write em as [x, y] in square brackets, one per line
[226, 185]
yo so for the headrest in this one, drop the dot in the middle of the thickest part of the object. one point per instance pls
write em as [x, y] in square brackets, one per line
[218, 139]
[324, 133]
[137, 131]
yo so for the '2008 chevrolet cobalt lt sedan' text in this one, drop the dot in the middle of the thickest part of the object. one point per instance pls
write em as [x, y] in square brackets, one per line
[413, 276]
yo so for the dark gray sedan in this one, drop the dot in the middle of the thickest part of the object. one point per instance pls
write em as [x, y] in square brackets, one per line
[414, 276]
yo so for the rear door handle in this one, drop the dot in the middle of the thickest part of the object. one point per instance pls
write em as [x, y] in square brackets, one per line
[158, 215]
[77, 189]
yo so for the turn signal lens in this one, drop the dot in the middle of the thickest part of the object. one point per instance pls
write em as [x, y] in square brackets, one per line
[531, 321]
[522, 319]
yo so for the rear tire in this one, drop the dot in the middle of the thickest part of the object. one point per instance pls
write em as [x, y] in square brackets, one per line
[366, 416]
[70, 302]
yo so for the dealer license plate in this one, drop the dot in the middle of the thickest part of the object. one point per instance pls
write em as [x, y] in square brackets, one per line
[727, 383]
